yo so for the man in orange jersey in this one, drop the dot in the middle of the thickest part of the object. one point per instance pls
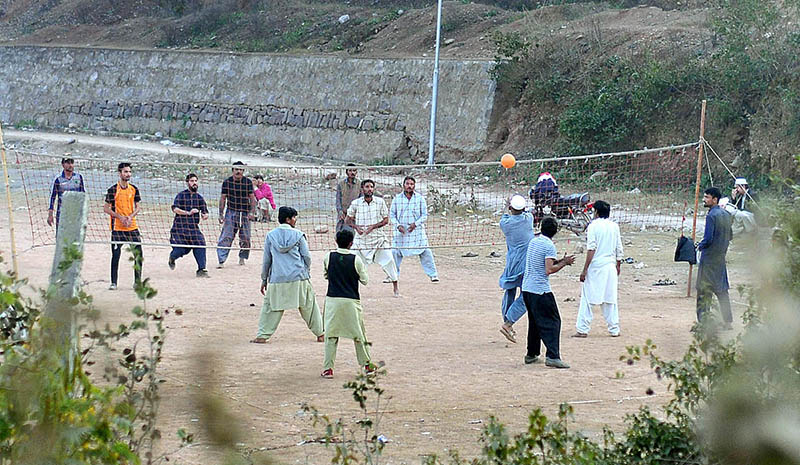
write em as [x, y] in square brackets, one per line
[122, 205]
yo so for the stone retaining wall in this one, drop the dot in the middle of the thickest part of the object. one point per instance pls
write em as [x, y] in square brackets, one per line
[331, 107]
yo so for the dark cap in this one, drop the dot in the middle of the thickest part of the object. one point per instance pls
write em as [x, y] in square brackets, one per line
[67, 160]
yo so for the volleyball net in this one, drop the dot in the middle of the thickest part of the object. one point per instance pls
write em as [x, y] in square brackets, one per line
[648, 188]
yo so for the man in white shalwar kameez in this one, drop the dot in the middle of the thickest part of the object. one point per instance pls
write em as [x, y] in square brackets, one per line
[408, 214]
[601, 272]
[367, 215]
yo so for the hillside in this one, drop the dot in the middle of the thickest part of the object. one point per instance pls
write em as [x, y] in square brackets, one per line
[658, 57]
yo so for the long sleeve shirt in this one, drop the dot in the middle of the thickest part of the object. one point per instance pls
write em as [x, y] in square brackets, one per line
[63, 184]
[405, 211]
[265, 192]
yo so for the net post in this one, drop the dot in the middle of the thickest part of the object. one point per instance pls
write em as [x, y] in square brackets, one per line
[14, 264]
[697, 185]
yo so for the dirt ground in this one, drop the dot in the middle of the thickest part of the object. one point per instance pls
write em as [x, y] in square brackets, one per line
[448, 367]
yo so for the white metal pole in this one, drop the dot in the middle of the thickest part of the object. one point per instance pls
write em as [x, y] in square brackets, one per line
[432, 139]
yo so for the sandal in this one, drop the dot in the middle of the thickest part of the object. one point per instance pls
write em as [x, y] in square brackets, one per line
[509, 334]
[259, 340]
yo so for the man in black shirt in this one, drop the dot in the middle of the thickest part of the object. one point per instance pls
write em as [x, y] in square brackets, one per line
[237, 193]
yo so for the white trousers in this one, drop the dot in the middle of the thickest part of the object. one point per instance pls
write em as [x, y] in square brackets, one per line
[610, 313]
[384, 258]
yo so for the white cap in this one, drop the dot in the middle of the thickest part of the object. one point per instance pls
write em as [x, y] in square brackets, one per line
[740, 182]
[518, 202]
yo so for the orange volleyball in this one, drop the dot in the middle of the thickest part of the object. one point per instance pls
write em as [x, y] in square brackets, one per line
[508, 161]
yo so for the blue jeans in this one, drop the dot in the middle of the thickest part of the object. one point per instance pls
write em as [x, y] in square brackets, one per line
[513, 308]
[235, 221]
[199, 255]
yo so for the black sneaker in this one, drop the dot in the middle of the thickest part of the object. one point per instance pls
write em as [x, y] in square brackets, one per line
[529, 360]
[171, 263]
[202, 274]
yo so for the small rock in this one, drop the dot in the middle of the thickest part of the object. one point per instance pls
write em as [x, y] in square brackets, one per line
[629, 260]
[159, 134]
[475, 422]
[71, 141]
[321, 229]
[167, 142]
[252, 305]
[635, 191]
[343, 19]
[639, 265]
[628, 242]
[664, 282]
[399, 12]
[494, 254]
[72, 125]
[449, 41]
[197, 145]
[470, 255]
[569, 299]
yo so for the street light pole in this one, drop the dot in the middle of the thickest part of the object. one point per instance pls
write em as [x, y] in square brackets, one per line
[432, 139]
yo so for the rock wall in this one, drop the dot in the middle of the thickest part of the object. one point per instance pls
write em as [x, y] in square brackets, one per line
[331, 107]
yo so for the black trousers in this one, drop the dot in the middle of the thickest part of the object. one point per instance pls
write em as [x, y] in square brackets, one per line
[704, 297]
[116, 251]
[544, 324]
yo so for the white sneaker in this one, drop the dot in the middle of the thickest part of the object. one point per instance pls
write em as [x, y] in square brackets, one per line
[112, 287]
[220, 266]
[435, 279]
[241, 261]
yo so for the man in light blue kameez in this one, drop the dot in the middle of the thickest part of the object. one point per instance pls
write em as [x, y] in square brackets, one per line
[408, 215]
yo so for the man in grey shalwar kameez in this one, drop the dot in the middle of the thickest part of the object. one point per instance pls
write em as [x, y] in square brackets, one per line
[712, 274]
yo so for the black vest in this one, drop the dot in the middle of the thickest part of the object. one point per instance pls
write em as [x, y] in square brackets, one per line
[342, 276]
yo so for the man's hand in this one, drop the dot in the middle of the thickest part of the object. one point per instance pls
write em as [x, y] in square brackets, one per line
[126, 221]
[341, 214]
[263, 288]
[204, 216]
[619, 268]
[401, 229]
[359, 229]
[583, 275]
[369, 229]
[221, 218]
[251, 216]
[50, 218]
[568, 259]
[194, 211]
[412, 227]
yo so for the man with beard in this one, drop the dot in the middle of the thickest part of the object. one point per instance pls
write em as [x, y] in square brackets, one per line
[366, 215]
[189, 206]
[237, 193]
[409, 213]
[712, 274]
[122, 205]
[346, 191]
[68, 180]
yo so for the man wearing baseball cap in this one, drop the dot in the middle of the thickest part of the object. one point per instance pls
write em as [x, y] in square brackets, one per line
[68, 180]
[517, 227]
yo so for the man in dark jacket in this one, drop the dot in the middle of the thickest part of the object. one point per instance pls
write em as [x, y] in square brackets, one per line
[712, 275]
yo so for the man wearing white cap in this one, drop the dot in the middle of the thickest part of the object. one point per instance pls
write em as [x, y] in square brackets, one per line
[741, 208]
[517, 226]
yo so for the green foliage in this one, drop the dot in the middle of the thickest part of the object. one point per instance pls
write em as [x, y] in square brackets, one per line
[50, 409]
[360, 443]
[26, 123]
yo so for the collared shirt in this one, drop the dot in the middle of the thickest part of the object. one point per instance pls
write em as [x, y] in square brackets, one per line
[346, 192]
[123, 200]
[604, 238]
[536, 279]
[367, 214]
[61, 184]
[403, 212]
[187, 200]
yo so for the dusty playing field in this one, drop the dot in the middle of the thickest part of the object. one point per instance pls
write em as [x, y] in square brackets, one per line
[448, 366]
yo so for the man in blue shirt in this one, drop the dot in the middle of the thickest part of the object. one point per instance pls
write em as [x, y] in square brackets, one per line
[712, 274]
[68, 180]
[189, 206]
[544, 321]
[517, 227]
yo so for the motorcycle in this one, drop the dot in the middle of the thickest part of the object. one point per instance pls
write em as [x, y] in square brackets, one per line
[572, 211]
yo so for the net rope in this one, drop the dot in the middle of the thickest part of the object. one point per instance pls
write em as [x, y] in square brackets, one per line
[464, 202]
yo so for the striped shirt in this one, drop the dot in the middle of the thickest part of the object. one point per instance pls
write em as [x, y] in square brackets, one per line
[536, 280]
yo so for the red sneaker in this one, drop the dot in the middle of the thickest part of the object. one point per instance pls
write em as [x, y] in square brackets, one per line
[327, 374]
